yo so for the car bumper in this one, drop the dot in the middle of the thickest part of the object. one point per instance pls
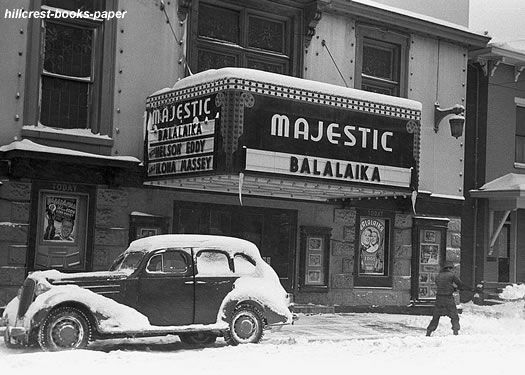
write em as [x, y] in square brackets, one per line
[16, 331]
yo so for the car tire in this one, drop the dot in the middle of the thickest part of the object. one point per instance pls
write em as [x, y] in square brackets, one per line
[198, 338]
[246, 326]
[65, 328]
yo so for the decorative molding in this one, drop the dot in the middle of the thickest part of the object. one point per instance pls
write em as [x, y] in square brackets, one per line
[494, 65]
[517, 72]
[183, 9]
[312, 15]
[299, 94]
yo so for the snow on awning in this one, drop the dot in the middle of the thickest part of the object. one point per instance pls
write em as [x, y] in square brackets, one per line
[511, 185]
[277, 187]
[36, 150]
[293, 87]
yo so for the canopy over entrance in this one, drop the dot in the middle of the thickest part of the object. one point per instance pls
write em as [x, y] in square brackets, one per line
[245, 131]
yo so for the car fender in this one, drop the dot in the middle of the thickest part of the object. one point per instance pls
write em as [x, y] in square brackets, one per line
[264, 295]
[108, 315]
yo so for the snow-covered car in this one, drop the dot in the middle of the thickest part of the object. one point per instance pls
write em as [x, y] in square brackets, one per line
[199, 287]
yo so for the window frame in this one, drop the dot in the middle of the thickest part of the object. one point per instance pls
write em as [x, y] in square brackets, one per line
[161, 253]
[520, 106]
[380, 37]
[292, 59]
[100, 110]
[367, 280]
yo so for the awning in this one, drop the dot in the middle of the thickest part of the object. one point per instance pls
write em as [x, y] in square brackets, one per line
[249, 132]
[276, 187]
[508, 187]
[27, 148]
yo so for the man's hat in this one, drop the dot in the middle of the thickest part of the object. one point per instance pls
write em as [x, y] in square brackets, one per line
[448, 264]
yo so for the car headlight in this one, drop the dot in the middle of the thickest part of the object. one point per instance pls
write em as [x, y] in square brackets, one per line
[41, 288]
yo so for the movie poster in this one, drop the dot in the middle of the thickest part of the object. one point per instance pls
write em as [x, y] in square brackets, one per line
[371, 246]
[59, 220]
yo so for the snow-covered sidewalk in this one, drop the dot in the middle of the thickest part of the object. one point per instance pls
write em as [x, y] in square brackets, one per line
[492, 339]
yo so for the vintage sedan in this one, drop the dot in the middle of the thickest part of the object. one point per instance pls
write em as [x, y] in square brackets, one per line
[199, 287]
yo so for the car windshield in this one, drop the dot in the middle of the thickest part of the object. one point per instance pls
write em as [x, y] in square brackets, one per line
[127, 262]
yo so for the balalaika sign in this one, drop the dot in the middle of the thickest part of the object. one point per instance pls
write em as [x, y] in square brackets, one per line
[181, 137]
[307, 140]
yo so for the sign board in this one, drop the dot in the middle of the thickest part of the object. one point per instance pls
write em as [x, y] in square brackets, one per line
[180, 137]
[288, 137]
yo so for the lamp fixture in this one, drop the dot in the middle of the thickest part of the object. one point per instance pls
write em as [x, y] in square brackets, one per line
[456, 122]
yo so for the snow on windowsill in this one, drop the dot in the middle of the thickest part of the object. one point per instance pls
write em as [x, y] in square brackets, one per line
[73, 132]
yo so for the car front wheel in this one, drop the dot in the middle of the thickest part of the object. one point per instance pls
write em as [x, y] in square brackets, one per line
[246, 326]
[64, 328]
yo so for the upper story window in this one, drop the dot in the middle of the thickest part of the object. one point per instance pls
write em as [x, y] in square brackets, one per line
[70, 73]
[520, 130]
[246, 34]
[381, 61]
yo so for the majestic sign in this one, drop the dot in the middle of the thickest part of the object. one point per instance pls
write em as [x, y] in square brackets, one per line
[324, 142]
[181, 137]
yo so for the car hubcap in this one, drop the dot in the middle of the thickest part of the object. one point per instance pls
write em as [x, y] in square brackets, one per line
[67, 332]
[245, 326]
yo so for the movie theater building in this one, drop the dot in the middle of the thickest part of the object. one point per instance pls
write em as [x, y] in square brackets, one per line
[308, 128]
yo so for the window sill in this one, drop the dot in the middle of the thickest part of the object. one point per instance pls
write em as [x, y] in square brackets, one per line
[69, 138]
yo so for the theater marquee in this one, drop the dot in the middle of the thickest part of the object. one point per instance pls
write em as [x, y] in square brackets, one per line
[311, 141]
[181, 137]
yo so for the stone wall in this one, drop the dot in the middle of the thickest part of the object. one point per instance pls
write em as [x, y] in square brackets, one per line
[14, 227]
[111, 226]
[341, 290]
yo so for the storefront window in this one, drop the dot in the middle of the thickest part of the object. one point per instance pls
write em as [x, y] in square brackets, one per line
[272, 230]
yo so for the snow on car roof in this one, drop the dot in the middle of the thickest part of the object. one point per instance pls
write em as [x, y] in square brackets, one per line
[230, 244]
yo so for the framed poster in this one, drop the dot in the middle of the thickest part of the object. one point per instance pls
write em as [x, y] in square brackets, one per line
[315, 243]
[429, 253]
[371, 246]
[59, 218]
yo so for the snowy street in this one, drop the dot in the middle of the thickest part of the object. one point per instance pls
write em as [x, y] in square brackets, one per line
[491, 340]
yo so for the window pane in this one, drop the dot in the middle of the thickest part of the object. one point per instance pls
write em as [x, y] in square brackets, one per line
[520, 120]
[64, 103]
[174, 262]
[218, 23]
[267, 67]
[266, 34]
[213, 263]
[520, 149]
[212, 60]
[243, 265]
[379, 89]
[68, 50]
[378, 62]
[89, 5]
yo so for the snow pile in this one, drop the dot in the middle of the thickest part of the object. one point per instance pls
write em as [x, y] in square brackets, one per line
[513, 292]
[118, 317]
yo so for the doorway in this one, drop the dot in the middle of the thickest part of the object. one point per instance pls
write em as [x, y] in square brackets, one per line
[272, 230]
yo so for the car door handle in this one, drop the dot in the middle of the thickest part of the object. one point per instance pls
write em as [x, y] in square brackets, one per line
[195, 282]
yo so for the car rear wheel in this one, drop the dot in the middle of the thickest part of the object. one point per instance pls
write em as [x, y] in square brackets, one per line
[246, 326]
[64, 328]
[198, 338]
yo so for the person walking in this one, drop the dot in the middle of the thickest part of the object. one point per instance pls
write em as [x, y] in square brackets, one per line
[447, 283]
